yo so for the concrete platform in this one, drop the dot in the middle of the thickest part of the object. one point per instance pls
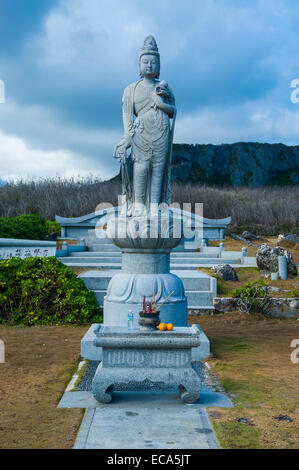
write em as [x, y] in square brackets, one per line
[145, 420]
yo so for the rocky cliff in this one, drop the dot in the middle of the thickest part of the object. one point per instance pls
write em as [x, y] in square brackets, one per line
[242, 163]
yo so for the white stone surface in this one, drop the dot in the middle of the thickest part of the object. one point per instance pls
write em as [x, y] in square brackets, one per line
[145, 421]
[93, 353]
[10, 248]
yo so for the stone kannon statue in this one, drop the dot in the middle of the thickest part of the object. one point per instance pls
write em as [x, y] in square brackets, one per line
[148, 106]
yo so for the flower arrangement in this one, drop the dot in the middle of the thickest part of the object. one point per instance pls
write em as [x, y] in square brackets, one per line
[152, 306]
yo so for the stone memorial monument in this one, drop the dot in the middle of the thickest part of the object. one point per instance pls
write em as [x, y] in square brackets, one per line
[146, 229]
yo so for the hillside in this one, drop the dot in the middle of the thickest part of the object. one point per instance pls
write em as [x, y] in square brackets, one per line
[242, 163]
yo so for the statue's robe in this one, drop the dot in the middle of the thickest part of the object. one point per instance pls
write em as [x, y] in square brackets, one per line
[151, 136]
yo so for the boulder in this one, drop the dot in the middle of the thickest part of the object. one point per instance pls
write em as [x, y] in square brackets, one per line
[226, 272]
[288, 238]
[267, 259]
[52, 236]
[292, 238]
[249, 236]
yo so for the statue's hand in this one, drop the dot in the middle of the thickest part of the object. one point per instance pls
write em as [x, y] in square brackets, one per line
[120, 149]
[157, 101]
[120, 153]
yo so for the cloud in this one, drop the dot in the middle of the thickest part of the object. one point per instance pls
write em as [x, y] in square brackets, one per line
[35, 142]
[256, 122]
[17, 159]
[18, 19]
[66, 64]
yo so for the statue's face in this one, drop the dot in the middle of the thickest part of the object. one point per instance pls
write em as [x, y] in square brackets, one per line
[149, 66]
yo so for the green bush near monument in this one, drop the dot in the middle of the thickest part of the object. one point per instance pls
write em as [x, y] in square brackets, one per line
[27, 227]
[43, 291]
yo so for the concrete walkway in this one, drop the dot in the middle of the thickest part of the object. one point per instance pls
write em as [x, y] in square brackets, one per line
[145, 420]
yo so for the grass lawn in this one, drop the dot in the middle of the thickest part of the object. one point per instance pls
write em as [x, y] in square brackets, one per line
[235, 245]
[225, 288]
[251, 357]
[39, 363]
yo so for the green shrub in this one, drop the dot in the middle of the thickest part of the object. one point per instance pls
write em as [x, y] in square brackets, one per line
[256, 288]
[44, 291]
[31, 227]
[253, 297]
[294, 293]
[52, 227]
[28, 227]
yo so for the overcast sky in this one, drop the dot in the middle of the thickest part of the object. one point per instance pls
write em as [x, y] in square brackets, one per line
[65, 64]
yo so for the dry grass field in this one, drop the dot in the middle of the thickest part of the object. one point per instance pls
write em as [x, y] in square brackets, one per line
[39, 364]
[250, 355]
[263, 210]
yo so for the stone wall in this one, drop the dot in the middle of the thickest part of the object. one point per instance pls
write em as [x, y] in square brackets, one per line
[10, 248]
[279, 307]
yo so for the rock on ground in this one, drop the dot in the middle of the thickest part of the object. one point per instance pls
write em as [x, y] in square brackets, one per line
[249, 236]
[291, 238]
[267, 259]
[226, 272]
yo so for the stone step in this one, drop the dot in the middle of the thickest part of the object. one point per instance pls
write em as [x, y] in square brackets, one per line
[99, 260]
[117, 259]
[87, 265]
[205, 262]
[97, 254]
[199, 298]
[192, 257]
[101, 247]
[115, 263]
[195, 299]
[92, 240]
[192, 280]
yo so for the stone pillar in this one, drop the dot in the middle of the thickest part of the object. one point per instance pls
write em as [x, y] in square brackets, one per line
[282, 267]
[145, 271]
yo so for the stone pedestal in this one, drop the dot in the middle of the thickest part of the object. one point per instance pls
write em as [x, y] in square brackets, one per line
[135, 358]
[146, 243]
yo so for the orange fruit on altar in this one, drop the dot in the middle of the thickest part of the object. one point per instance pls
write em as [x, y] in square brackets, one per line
[162, 327]
[169, 326]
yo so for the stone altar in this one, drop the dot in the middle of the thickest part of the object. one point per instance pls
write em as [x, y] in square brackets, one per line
[137, 358]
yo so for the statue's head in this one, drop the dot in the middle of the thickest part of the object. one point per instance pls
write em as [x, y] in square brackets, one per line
[149, 59]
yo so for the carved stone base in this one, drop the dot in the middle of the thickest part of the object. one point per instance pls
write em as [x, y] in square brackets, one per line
[186, 380]
[142, 357]
[126, 290]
